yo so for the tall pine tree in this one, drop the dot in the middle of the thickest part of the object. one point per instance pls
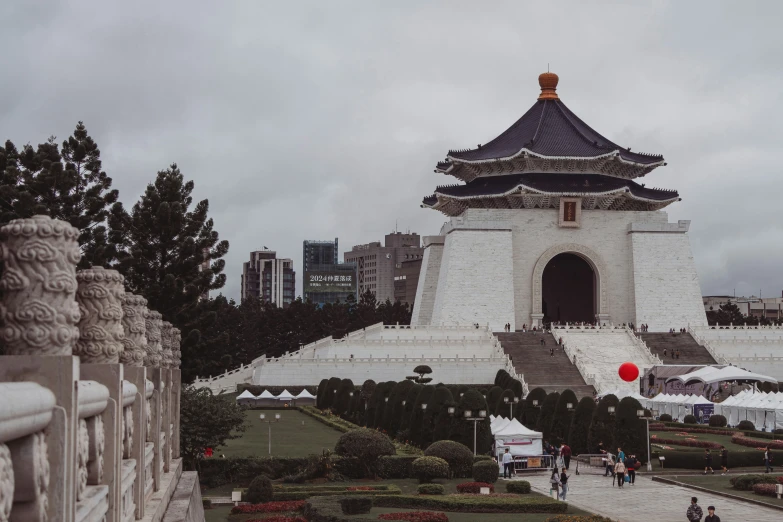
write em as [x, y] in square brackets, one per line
[170, 253]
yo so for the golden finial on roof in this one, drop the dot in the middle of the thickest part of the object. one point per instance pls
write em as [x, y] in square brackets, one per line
[548, 83]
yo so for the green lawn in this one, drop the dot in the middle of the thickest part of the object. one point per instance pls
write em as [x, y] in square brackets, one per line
[724, 440]
[486, 517]
[722, 484]
[295, 435]
[218, 514]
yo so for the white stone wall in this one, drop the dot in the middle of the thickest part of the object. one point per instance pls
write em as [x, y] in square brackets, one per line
[424, 302]
[473, 286]
[666, 285]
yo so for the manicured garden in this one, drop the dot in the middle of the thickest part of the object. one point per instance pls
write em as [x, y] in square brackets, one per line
[739, 485]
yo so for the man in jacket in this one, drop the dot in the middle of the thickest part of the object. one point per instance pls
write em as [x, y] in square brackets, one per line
[694, 512]
[565, 452]
[712, 517]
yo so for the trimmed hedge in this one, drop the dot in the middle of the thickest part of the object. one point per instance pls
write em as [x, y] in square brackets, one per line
[690, 419]
[329, 509]
[396, 466]
[746, 482]
[240, 471]
[578, 518]
[431, 489]
[474, 487]
[742, 440]
[426, 469]
[746, 425]
[717, 421]
[695, 459]
[486, 471]
[665, 418]
[356, 505]
[365, 444]
[457, 455]
[654, 439]
[473, 503]
[415, 516]
[518, 486]
[305, 493]
[767, 490]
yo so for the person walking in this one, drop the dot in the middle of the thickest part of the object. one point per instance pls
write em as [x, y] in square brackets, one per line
[630, 466]
[508, 464]
[619, 470]
[543, 342]
[694, 512]
[610, 465]
[565, 452]
[563, 485]
[554, 482]
[724, 460]
[767, 460]
[551, 351]
[620, 455]
[712, 517]
[708, 462]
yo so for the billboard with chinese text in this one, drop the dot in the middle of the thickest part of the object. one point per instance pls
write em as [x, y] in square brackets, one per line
[342, 281]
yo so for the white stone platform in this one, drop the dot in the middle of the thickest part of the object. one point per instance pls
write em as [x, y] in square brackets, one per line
[756, 348]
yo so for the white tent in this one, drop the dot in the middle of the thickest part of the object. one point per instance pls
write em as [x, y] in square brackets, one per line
[304, 394]
[285, 395]
[709, 375]
[498, 423]
[266, 394]
[246, 397]
[518, 439]
[266, 399]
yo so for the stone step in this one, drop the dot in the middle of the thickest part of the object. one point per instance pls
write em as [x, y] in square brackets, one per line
[691, 352]
[553, 372]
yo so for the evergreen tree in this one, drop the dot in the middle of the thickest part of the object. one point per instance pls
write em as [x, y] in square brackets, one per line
[580, 426]
[529, 412]
[162, 245]
[630, 432]
[319, 396]
[393, 411]
[368, 388]
[492, 399]
[417, 415]
[561, 422]
[66, 184]
[407, 411]
[544, 423]
[602, 424]
[502, 407]
[330, 395]
[438, 405]
[462, 430]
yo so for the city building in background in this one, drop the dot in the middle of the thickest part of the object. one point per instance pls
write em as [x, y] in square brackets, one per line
[406, 279]
[269, 278]
[325, 279]
[376, 263]
[760, 307]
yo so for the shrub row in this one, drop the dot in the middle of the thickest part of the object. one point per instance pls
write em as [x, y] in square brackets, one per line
[240, 471]
[268, 507]
[279, 518]
[474, 503]
[746, 482]
[751, 443]
[416, 516]
[578, 518]
[431, 489]
[695, 459]
[474, 487]
[684, 442]
[485, 471]
[694, 430]
[282, 488]
[388, 467]
[767, 490]
[427, 469]
[723, 431]
[306, 493]
[330, 509]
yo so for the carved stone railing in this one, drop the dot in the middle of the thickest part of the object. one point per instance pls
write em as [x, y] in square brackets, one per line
[83, 387]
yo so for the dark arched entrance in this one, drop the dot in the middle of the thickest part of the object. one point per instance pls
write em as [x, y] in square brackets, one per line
[568, 290]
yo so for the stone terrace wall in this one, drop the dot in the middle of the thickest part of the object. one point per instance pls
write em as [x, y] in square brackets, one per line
[89, 429]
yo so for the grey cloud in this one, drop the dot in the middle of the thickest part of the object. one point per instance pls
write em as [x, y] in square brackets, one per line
[313, 120]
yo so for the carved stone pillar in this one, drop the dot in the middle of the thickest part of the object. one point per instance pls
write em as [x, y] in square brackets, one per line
[153, 357]
[134, 315]
[165, 341]
[39, 309]
[176, 344]
[100, 328]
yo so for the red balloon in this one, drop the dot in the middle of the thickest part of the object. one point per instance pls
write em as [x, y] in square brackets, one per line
[628, 372]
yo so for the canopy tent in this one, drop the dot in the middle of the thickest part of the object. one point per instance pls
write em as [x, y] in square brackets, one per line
[678, 406]
[304, 394]
[266, 394]
[519, 439]
[285, 395]
[246, 397]
[709, 375]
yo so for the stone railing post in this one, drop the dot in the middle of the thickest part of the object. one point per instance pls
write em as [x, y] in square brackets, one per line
[40, 316]
[153, 361]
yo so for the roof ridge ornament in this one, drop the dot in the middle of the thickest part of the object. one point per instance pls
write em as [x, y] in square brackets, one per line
[548, 83]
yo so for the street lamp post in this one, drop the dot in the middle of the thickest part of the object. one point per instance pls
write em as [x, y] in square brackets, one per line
[482, 414]
[641, 415]
[269, 422]
[511, 404]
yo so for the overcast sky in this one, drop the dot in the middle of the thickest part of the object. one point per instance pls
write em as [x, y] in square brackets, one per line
[315, 120]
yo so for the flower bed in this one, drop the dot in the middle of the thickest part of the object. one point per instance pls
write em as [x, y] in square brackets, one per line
[360, 488]
[268, 507]
[304, 492]
[768, 490]
[742, 440]
[691, 443]
[278, 518]
[416, 516]
[691, 431]
[474, 487]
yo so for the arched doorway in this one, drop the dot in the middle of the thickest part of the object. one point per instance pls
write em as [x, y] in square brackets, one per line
[568, 290]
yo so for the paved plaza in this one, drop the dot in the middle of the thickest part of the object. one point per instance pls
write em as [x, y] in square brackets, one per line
[649, 500]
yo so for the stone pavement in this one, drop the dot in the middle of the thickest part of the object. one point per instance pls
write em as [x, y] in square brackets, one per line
[649, 500]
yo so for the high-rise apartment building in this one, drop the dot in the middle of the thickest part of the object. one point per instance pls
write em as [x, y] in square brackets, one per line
[268, 278]
[325, 280]
[375, 264]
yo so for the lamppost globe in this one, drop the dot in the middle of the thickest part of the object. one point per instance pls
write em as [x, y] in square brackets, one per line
[468, 414]
[610, 409]
[452, 409]
[262, 416]
[570, 406]
[482, 413]
[423, 406]
[535, 403]
[505, 399]
[516, 400]
[277, 416]
[403, 402]
[640, 413]
[385, 399]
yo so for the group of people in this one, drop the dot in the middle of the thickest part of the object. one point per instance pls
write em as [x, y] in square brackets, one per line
[675, 353]
[507, 327]
[622, 467]
[724, 460]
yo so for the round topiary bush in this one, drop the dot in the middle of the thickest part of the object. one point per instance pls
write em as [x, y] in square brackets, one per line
[746, 425]
[689, 419]
[665, 418]
[717, 421]
[356, 505]
[458, 456]
[485, 471]
[431, 489]
[365, 444]
[426, 469]
[260, 490]
[518, 486]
